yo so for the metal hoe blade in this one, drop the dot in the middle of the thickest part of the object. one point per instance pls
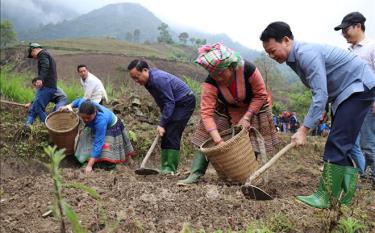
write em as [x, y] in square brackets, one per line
[148, 171]
[256, 193]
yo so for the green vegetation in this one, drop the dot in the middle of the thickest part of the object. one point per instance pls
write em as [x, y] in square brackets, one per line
[7, 33]
[61, 207]
[73, 91]
[15, 86]
[164, 36]
[350, 225]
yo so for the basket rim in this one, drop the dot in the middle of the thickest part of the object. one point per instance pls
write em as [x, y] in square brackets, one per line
[216, 147]
[61, 131]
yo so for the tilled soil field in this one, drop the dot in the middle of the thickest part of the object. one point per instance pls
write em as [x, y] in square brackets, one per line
[131, 203]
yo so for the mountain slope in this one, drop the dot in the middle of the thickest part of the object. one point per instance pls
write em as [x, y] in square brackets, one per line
[113, 20]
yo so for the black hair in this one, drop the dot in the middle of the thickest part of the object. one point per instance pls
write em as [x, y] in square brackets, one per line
[363, 26]
[80, 66]
[33, 81]
[138, 64]
[87, 107]
[276, 30]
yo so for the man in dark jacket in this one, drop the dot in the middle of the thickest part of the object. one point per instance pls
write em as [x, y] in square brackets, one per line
[45, 83]
[176, 102]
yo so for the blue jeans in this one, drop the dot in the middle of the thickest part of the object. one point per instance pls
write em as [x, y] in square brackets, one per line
[358, 157]
[38, 107]
[368, 142]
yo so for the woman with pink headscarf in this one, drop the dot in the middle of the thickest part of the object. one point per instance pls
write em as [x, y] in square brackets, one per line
[234, 93]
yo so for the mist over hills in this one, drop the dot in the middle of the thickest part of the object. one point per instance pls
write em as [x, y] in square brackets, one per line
[45, 20]
[31, 14]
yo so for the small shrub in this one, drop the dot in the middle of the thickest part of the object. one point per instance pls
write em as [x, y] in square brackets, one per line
[350, 225]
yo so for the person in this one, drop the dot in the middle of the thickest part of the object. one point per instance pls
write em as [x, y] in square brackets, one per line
[285, 121]
[293, 122]
[92, 86]
[176, 102]
[59, 98]
[104, 139]
[353, 30]
[234, 93]
[46, 84]
[335, 76]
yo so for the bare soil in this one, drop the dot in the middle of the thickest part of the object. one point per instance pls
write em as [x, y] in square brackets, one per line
[131, 203]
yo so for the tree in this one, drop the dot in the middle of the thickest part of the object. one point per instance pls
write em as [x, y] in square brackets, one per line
[136, 35]
[183, 37]
[129, 37]
[164, 36]
[7, 34]
[266, 66]
[192, 40]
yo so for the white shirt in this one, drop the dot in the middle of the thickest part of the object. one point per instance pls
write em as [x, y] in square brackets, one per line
[94, 89]
[365, 50]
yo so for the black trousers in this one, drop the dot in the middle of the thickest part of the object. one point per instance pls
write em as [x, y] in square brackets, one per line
[174, 129]
[346, 125]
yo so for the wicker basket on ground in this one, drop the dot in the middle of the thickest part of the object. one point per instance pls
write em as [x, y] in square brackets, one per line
[63, 128]
[234, 160]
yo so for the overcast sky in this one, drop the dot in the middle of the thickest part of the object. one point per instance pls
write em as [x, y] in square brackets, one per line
[243, 20]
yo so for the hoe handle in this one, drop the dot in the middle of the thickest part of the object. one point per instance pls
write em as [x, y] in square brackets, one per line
[12, 103]
[143, 164]
[270, 163]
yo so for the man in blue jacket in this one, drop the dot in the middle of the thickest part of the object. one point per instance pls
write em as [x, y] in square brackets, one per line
[337, 76]
[176, 102]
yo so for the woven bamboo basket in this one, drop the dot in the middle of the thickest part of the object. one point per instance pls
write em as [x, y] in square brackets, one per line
[234, 160]
[63, 128]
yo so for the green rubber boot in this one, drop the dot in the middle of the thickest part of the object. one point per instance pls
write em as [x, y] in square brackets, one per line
[349, 185]
[329, 188]
[198, 169]
[169, 161]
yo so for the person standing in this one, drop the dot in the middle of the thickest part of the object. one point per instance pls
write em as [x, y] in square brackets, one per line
[335, 76]
[353, 30]
[92, 86]
[176, 102]
[46, 84]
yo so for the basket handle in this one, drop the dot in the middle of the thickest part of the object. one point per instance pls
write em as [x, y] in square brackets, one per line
[262, 148]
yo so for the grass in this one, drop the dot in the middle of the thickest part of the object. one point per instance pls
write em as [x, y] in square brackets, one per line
[108, 45]
[16, 87]
[73, 91]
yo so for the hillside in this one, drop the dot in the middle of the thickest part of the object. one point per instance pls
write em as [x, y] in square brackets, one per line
[113, 20]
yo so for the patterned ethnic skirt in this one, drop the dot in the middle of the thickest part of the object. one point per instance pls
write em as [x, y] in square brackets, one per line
[117, 147]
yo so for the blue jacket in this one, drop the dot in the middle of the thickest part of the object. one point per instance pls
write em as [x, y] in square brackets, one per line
[167, 90]
[104, 119]
[333, 74]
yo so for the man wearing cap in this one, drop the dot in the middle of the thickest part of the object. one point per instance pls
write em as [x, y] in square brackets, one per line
[353, 30]
[335, 76]
[46, 83]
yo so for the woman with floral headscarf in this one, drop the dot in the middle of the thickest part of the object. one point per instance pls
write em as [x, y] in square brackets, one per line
[234, 93]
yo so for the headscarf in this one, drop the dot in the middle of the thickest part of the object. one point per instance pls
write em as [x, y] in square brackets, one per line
[216, 57]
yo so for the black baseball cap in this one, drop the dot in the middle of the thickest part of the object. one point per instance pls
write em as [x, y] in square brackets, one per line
[33, 46]
[351, 19]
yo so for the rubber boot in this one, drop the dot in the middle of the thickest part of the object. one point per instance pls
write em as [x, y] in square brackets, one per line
[349, 185]
[329, 188]
[198, 169]
[169, 161]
